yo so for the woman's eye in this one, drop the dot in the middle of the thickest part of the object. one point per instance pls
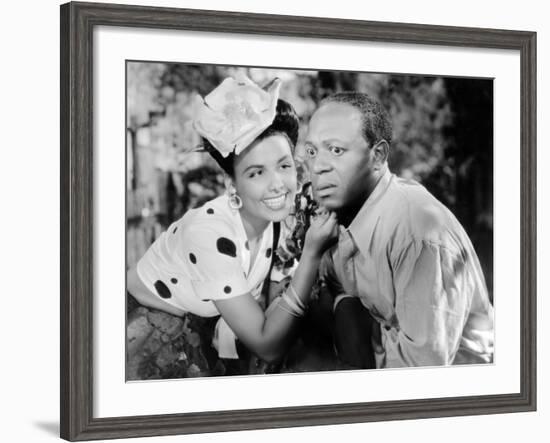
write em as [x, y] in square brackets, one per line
[255, 173]
[336, 150]
[286, 166]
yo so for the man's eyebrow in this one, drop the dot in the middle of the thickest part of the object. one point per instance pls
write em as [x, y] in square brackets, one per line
[324, 143]
[333, 140]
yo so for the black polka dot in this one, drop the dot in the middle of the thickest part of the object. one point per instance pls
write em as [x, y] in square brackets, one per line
[174, 280]
[209, 211]
[268, 252]
[227, 289]
[175, 229]
[226, 246]
[162, 289]
[246, 245]
[192, 258]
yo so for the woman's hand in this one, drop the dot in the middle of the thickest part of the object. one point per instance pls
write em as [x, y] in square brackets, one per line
[322, 233]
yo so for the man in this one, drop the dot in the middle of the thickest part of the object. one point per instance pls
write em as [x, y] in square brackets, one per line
[400, 252]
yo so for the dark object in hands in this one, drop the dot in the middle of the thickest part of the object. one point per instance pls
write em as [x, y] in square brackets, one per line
[290, 249]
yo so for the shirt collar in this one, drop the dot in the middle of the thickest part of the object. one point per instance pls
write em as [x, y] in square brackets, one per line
[364, 223]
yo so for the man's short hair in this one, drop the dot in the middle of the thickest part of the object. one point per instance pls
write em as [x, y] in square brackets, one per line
[376, 121]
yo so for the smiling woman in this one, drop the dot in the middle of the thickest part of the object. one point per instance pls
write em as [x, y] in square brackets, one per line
[265, 180]
[213, 261]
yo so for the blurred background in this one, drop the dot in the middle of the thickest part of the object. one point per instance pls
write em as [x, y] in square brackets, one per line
[442, 137]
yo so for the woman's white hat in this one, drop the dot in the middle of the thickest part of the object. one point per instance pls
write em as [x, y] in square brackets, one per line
[235, 113]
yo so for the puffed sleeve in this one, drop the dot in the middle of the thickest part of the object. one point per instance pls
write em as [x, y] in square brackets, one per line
[215, 266]
[433, 291]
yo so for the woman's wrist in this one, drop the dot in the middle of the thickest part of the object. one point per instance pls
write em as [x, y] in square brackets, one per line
[311, 254]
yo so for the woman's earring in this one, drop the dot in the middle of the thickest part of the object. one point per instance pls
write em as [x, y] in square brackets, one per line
[235, 202]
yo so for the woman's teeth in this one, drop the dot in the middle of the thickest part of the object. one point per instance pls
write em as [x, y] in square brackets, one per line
[275, 203]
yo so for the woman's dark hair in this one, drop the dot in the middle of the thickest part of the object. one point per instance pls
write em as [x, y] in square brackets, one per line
[286, 123]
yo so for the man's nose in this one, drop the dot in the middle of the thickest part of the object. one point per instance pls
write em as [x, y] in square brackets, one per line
[321, 163]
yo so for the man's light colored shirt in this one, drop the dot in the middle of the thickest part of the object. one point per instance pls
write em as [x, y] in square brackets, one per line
[413, 266]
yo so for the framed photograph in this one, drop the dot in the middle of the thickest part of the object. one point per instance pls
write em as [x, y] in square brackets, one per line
[180, 228]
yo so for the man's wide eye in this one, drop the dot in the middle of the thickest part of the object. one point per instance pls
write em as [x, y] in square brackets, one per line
[311, 152]
[336, 150]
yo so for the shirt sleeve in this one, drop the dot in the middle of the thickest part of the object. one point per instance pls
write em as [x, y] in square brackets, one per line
[214, 256]
[433, 292]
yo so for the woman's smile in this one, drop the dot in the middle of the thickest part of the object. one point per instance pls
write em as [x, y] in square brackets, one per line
[276, 203]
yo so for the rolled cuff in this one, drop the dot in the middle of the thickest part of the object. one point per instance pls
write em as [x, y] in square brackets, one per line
[338, 299]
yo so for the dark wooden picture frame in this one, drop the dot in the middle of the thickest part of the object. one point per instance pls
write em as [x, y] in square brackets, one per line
[77, 24]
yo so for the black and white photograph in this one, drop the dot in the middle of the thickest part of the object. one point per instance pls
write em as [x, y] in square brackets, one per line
[288, 221]
[293, 218]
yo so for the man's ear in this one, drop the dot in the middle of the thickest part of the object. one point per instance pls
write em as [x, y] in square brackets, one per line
[381, 151]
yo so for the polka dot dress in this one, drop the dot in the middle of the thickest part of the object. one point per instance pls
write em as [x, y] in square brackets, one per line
[204, 257]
